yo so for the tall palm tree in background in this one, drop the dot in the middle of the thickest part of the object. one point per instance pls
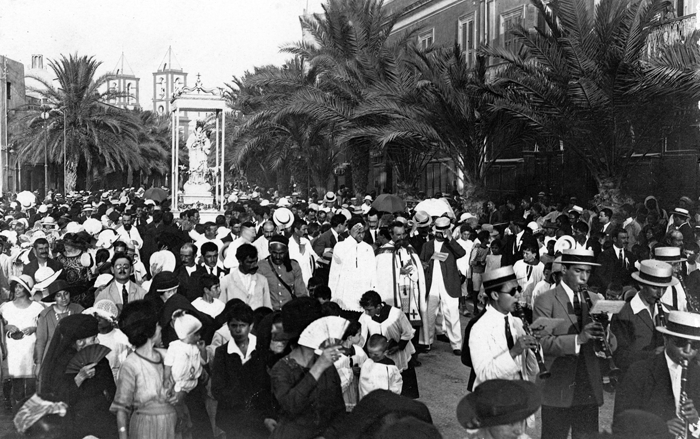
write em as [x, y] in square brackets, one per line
[100, 138]
[283, 140]
[435, 105]
[591, 81]
[351, 52]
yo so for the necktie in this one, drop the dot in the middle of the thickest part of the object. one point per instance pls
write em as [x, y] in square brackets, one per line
[125, 295]
[509, 335]
[577, 308]
[622, 259]
[529, 271]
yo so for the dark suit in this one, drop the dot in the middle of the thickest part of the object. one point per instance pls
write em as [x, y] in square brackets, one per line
[574, 391]
[189, 285]
[418, 241]
[368, 236]
[647, 386]
[33, 266]
[611, 270]
[326, 240]
[636, 336]
[687, 231]
[196, 278]
[512, 249]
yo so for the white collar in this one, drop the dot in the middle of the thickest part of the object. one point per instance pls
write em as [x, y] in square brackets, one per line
[234, 349]
[638, 306]
[127, 285]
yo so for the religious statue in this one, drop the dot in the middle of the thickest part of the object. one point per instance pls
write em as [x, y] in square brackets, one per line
[198, 145]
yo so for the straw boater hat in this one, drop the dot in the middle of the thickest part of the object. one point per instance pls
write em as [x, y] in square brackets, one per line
[499, 276]
[668, 254]
[578, 256]
[655, 273]
[442, 223]
[329, 197]
[499, 402]
[422, 219]
[283, 218]
[679, 211]
[682, 324]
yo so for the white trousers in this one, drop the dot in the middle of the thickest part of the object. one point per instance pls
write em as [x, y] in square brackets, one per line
[438, 299]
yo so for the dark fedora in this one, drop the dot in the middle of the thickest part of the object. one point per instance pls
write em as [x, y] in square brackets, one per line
[498, 402]
[55, 287]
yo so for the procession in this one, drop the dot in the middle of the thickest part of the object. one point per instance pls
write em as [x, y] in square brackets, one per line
[331, 219]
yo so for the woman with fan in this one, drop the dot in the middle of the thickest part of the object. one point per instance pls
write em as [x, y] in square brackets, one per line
[305, 385]
[76, 371]
[392, 323]
[19, 317]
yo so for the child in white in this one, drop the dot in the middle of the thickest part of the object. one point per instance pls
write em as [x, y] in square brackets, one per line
[350, 362]
[379, 372]
[184, 360]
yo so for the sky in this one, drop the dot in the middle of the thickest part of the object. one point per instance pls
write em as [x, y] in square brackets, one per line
[215, 38]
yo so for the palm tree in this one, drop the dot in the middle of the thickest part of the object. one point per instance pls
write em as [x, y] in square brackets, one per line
[590, 81]
[351, 52]
[435, 105]
[99, 137]
[283, 141]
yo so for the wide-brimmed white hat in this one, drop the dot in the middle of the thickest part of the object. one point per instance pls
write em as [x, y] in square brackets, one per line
[656, 273]
[93, 226]
[103, 308]
[44, 277]
[422, 219]
[668, 254]
[329, 197]
[682, 324]
[25, 280]
[283, 218]
[497, 277]
[283, 202]
[578, 256]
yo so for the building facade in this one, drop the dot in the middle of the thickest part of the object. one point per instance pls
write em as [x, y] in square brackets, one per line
[12, 98]
[672, 169]
[125, 84]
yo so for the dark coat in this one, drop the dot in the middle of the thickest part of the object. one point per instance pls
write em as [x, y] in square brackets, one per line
[647, 386]
[189, 282]
[326, 240]
[450, 273]
[611, 271]
[636, 335]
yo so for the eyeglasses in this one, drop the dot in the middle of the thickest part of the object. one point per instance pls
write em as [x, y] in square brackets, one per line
[683, 342]
[513, 291]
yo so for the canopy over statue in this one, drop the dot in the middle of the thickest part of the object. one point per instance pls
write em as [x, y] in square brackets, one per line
[197, 189]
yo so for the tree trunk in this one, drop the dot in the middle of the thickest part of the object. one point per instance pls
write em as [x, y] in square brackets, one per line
[71, 176]
[473, 197]
[610, 192]
[358, 154]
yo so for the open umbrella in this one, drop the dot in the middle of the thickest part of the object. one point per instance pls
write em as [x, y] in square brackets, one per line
[156, 194]
[435, 207]
[389, 203]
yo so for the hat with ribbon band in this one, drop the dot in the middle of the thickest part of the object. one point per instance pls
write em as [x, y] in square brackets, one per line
[499, 276]
[578, 256]
[655, 273]
[682, 324]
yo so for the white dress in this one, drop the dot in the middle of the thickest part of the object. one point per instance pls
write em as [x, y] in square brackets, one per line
[186, 365]
[396, 327]
[20, 353]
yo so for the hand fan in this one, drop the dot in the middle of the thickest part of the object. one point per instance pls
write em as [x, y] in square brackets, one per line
[90, 354]
[326, 331]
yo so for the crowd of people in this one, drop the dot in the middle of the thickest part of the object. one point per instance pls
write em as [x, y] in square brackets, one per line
[290, 318]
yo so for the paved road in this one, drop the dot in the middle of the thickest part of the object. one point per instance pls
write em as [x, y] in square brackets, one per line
[442, 382]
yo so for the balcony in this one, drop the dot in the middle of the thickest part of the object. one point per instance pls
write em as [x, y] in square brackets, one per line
[671, 31]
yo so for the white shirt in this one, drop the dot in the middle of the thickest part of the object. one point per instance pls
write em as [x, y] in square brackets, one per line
[463, 262]
[667, 298]
[230, 260]
[232, 348]
[638, 305]
[674, 370]
[211, 309]
[263, 246]
[186, 364]
[536, 273]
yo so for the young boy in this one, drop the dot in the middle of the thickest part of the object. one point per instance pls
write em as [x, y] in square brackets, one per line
[379, 372]
[183, 363]
[209, 303]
